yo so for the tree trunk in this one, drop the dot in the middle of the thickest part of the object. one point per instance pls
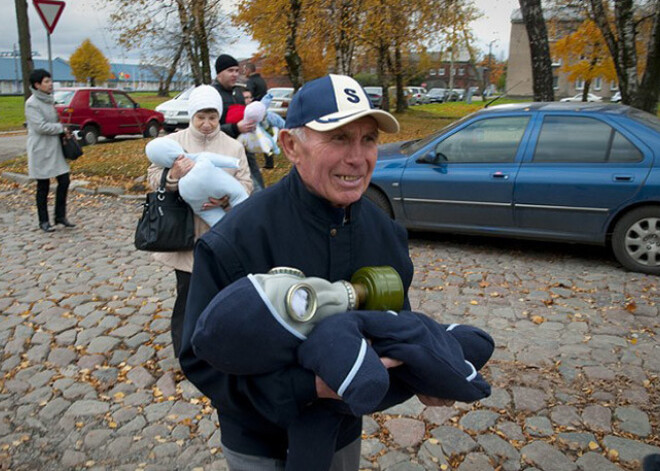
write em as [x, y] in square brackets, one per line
[165, 89]
[201, 39]
[538, 44]
[649, 89]
[187, 35]
[585, 91]
[642, 94]
[293, 61]
[401, 104]
[25, 45]
[383, 77]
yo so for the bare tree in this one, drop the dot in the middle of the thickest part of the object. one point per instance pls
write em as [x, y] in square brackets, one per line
[540, 50]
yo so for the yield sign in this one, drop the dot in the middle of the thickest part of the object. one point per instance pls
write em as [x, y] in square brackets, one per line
[49, 11]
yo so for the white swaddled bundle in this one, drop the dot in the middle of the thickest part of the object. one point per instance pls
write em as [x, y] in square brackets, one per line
[205, 180]
[259, 140]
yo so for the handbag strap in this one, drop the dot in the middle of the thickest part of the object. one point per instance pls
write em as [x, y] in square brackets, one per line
[161, 187]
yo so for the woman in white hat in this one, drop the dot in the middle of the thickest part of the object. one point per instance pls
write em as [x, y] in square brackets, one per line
[202, 135]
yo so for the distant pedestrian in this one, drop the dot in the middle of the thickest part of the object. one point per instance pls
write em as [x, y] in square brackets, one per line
[227, 71]
[44, 149]
[255, 83]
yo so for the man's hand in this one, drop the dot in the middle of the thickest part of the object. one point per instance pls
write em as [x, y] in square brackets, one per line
[435, 401]
[323, 391]
[217, 203]
[246, 126]
[182, 165]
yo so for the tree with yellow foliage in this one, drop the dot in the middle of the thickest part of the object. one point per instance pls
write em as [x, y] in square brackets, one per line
[88, 64]
[585, 56]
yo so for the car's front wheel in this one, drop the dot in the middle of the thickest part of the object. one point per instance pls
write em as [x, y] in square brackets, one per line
[90, 135]
[152, 129]
[379, 198]
[636, 240]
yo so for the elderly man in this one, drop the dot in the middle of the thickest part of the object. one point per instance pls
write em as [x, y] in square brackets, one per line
[316, 220]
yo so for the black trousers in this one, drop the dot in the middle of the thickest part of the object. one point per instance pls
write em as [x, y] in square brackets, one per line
[176, 325]
[255, 173]
[43, 185]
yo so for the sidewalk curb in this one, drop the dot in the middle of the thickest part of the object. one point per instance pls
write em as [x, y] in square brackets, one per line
[79, 186]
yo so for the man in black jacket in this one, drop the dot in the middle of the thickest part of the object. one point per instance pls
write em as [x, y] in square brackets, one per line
[255, 83]
[316, 220]
[227, 70]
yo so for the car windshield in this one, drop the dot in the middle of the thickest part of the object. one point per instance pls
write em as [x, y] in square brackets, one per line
[281, 92]
[373, 89]
[63, 97]
[184, 94]
[435, 91]
[645, 118]
[411, 147]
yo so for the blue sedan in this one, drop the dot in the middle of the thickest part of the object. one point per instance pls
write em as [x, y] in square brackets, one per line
[574, 172]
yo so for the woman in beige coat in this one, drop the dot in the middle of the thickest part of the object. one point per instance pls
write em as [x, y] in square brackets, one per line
[44, 149]
[202, 135]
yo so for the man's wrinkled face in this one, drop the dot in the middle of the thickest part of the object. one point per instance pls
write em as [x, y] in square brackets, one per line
[228, 77]
[336, 165]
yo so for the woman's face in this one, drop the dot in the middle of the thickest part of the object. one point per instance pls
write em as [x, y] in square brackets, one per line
[206, 121]
[45, 86]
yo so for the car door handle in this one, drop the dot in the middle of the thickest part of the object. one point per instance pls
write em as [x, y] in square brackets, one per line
[623, 178]
[500, 175]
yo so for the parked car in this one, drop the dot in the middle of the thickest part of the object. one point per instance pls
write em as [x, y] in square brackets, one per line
[104, 112]
[375, 94]
[616, 98]
[176, 111]
[417, 96]
[455, 94]
[590, 97]
[436, 95]
[585, 173]
[281, 99]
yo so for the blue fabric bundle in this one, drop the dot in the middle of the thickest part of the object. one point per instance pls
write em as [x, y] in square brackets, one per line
[206, 179]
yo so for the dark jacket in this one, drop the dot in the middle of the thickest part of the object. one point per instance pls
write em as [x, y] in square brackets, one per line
[284, 225]
[229, 97]
[257, 86]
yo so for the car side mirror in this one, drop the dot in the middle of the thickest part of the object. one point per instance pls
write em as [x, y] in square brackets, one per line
[432, 157]
[136, 105]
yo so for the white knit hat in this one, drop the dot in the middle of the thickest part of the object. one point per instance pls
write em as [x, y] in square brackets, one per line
[204, 97]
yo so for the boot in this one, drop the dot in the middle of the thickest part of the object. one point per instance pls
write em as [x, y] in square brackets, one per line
[269, 161]
[46, 227]
[65, 222]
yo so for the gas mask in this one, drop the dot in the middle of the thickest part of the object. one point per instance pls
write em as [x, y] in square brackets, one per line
[302, 302]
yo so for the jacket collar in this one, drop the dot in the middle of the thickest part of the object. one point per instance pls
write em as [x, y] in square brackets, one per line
[319, 207]
[45, 97]
[201, 138]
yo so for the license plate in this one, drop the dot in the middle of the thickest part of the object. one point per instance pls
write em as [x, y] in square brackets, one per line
[170, 121]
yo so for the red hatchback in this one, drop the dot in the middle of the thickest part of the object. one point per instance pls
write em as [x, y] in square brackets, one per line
[105, 112]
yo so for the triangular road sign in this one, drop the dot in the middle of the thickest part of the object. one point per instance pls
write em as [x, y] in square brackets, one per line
[49, 12]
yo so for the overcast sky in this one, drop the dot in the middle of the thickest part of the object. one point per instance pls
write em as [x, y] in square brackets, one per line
[83, 19]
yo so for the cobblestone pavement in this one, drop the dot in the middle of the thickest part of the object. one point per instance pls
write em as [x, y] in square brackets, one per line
[89, 380]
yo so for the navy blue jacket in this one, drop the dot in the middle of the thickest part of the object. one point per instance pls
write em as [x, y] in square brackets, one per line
[285, 225]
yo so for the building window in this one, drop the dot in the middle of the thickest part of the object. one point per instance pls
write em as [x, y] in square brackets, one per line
[555, 82]
[579, 84]
[441, 71]
[614, 85]
[556, 62]
[598, 83]
[432, 72]
[461, 71]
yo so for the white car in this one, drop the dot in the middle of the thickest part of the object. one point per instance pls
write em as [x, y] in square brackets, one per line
[281, 99]
[590, 97]
[176, 111]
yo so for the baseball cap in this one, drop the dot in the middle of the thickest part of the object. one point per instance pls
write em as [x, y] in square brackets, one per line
[333, 101]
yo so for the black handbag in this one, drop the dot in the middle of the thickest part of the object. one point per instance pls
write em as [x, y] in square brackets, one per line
[167, 222]
[70, 147]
